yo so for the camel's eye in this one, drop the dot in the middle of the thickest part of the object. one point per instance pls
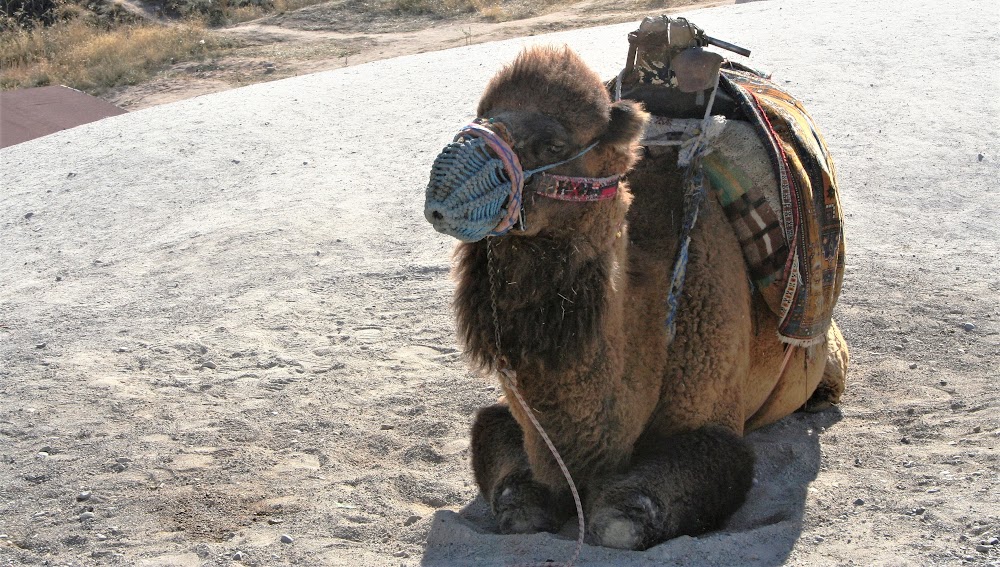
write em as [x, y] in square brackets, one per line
[554, 148]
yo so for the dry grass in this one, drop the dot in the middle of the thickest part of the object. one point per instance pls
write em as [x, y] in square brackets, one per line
[93, 55]
[491, 10]
[235, 14]
[87, 57]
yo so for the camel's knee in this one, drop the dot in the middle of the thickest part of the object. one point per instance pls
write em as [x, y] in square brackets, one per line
[496, 446]
[837, 359]
[684, 484]
[521, 506]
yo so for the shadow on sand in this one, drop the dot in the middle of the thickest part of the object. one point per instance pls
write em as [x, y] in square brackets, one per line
[762, 533]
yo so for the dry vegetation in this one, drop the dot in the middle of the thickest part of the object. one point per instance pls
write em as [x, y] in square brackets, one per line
[97, 46]
[92, 47]
[93, 59]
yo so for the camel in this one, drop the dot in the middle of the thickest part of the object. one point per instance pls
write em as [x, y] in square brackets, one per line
[573, 302]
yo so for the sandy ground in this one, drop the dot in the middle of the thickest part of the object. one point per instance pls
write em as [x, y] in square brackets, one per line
[224, 320]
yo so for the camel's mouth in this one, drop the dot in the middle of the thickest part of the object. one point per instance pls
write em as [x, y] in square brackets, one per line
[437, 212]
[477, 184]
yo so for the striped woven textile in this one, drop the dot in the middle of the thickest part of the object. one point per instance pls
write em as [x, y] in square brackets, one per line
[795, 256]
[752, 217]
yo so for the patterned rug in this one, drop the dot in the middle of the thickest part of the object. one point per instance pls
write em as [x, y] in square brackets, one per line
[795, 255]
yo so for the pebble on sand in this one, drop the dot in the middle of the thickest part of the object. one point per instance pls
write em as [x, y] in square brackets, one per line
[85, 495]
[87, 516]
[968, 326]
[285, 538]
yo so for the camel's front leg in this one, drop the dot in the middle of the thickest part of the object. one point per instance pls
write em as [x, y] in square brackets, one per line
[519, 503]
[679, 485]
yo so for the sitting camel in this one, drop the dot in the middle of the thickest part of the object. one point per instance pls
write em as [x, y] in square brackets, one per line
[570, 296]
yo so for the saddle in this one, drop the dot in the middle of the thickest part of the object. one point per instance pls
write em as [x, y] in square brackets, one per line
[760, 154]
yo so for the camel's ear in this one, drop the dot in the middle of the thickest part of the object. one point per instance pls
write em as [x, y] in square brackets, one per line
[628, 121]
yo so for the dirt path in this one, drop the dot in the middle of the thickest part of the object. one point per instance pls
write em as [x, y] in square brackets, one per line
[323, 37]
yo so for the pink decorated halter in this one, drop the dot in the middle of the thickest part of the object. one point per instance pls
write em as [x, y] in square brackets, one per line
[562, 187]
[578, 189]
[498, 140]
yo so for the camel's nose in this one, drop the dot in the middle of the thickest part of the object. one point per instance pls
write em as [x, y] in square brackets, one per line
[435, 215]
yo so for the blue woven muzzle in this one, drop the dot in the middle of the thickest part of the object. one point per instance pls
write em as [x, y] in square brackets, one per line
[477, 183]
[469, 190]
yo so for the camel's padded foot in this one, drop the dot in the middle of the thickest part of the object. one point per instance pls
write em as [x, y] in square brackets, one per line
[822, 399]
[631, 522]
[831, 386]
[523, 506]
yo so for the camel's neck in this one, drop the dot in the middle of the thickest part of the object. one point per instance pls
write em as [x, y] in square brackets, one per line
[554, 298]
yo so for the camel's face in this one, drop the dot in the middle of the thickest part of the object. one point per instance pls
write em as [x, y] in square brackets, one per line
[541, 140]
[547, 108]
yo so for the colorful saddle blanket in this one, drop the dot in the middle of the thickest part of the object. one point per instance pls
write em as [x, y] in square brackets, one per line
[796, 255]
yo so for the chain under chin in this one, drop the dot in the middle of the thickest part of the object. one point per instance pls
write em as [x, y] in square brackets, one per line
[491, 268]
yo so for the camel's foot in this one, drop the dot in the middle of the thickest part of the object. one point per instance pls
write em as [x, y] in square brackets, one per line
[519, 503]
[831, 386]
[523, 506]
[632, 521]
[822, 399]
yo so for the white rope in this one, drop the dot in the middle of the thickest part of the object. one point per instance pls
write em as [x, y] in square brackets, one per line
[686, 155]
[511, 378]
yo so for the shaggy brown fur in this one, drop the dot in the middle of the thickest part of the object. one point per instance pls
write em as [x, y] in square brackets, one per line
[651, 432]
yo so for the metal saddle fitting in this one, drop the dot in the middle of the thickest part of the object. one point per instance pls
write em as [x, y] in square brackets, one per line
[669, 70]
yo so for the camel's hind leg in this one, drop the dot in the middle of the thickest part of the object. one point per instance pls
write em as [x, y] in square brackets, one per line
[503, 474]
[683, 484]
[831, 386]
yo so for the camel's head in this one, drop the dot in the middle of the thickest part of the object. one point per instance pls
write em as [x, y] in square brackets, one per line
[548, 141]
